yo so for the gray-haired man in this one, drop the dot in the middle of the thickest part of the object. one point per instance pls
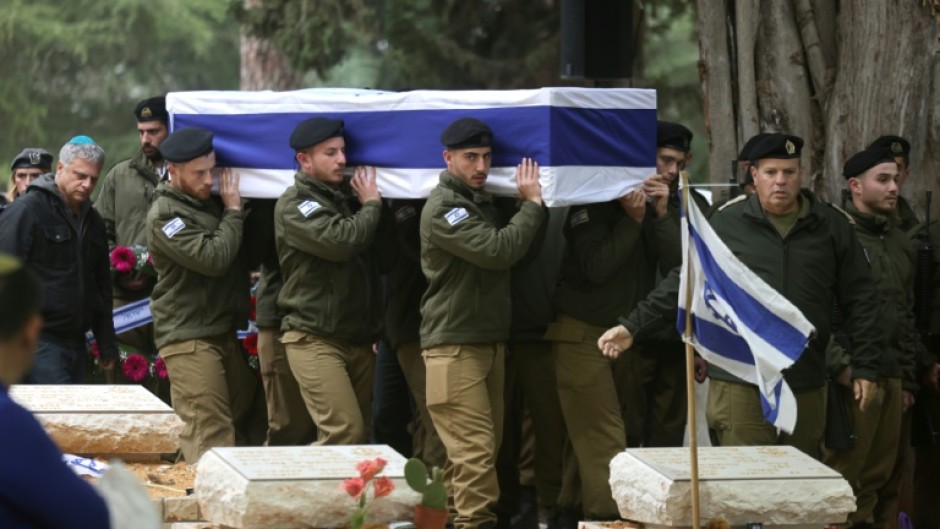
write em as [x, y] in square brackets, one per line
[54, 229]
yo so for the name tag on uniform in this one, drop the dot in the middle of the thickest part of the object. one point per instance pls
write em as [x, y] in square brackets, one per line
[173, 227]
[456, 215]
[307, 207]
[405, 213]
[579, 217]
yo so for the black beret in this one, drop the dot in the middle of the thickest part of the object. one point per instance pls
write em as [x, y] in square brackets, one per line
[673, 136]
[314, 130]
[186, 144]
[466, 133]
[776, 145]
[745, 154]
[896, 144]
[153, 109]
[33, 157]
[865, 160]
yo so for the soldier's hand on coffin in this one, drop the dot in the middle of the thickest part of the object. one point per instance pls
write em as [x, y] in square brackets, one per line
[615, 341]
[228, 189]
[657, 190]
[634, 204]
[701, 369]
[363, 183]
[527, 180]
[907, 400]
[864, 391]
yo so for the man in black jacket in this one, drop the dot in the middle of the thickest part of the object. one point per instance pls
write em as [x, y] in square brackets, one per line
[54, 229]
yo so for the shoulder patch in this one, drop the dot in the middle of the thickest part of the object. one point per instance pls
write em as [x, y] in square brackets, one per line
[844, 213]
[307, 207]
[734, 200]
[173, 227]
[405, 213]
[456, 216]
[579, 217]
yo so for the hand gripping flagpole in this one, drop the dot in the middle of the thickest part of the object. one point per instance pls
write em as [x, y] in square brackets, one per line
[690, 365]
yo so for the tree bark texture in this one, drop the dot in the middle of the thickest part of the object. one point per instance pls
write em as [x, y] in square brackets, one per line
[263, 66]
[838, 74]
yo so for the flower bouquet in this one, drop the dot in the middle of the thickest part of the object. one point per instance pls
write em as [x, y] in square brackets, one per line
[134, 260]
[358, 489]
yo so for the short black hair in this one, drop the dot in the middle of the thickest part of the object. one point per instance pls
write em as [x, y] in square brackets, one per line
[20, 296]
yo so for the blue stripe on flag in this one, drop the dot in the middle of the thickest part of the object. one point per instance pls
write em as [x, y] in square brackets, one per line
[755, 315]
[719, 339]
[770, 411]
[553, 136]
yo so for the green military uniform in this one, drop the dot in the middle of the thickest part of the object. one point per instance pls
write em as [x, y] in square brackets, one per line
[405, 286]
[331, 302]
[125, 196]
[610, 265]
[817, 262]
[466, 256]
[198, 303]
[288, 421]
[868, 465]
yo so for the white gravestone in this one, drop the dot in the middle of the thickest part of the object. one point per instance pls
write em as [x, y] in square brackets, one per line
[298, 486]
[102, 419]
[773, 485]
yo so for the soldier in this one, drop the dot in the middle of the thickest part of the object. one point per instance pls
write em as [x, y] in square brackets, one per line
[872, 179]
[331, 298]
[900, 150]
[807, 251]
[201, 296]
[57, 233]
[466, 256]
[613, 252]
[673, 155]
[27, 166]
[127, 192]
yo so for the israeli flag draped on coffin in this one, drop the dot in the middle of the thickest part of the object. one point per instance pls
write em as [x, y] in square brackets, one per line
[739, 322]
[592, 145]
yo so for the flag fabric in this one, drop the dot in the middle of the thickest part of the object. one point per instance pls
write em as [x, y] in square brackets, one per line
[592, 145]
[739, 322]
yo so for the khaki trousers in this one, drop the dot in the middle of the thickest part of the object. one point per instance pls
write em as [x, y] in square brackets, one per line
[867, 466]
[214, 392]
[896, 494]
[289, 424]
[588, 385]
[465, 401]
[427, 444]
[335, 379]
[734, 415]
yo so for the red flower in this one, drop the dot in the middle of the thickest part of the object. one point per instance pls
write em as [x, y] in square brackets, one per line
[369, 468]
[135, 367]
[250, 343]
[93, 349]
[123, 259]
[353, 487]
[159, 367]
[252, 302]
[383, 486]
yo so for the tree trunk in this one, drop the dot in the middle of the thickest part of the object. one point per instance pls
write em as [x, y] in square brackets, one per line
[263, 67]
[837, 74]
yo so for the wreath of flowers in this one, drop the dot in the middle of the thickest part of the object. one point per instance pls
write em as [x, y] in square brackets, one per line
[134, 364]
[132, 259]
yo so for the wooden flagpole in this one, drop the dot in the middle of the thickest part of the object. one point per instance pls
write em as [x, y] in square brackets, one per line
[690, 367]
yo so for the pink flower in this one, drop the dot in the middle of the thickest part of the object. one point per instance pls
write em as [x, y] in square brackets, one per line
[353, 486]
[123, 259]
[159, 367]
[383, 486]
[250, 343]
[93, 349]
[252, 303]
[369, 468]
[135, 367]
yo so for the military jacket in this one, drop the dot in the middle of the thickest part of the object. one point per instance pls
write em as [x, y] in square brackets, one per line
[126, 194]
[611, 260]
[328, 267]
[467, 256]
[405, 281]
[202, 283]
[818, 263]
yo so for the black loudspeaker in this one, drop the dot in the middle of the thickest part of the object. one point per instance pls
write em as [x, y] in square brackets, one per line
[597, 39]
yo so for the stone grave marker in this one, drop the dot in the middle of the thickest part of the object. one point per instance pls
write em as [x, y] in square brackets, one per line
[773, 485]
[297, 486]
[102, 419]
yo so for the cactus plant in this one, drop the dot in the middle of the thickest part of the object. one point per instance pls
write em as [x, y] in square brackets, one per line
[431, 486]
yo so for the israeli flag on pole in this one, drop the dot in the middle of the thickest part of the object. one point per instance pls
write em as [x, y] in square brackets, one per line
[739, 322]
